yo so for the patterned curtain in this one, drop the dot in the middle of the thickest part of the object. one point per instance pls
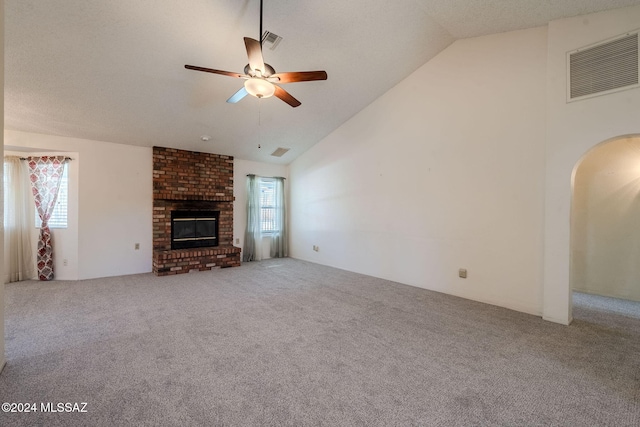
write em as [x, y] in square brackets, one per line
[45, 174]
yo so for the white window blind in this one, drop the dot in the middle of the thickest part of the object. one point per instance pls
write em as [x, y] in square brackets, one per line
[267, 206]
[59, 216]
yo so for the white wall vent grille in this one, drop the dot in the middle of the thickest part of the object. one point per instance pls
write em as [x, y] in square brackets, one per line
[280, 152]
[271, 40]
[604, 68]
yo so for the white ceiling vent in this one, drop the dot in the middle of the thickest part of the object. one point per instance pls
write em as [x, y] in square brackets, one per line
[280, 152]
[271, 40]
[603, 68]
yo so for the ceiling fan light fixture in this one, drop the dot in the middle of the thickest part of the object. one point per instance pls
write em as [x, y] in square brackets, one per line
[259, 88]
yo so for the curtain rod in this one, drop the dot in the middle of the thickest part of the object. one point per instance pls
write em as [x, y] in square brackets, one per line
[66, 158]
[260, 176]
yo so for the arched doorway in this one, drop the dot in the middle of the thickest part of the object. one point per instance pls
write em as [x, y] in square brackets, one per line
[605, 213]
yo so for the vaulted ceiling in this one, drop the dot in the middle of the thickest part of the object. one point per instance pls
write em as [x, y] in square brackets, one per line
[114, 70]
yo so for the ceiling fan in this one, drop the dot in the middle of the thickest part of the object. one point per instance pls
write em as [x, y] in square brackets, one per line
[260, 77]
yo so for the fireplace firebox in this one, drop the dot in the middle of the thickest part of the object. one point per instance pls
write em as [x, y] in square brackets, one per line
[194, 229]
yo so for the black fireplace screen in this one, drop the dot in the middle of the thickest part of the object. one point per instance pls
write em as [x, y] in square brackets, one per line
[194, 229]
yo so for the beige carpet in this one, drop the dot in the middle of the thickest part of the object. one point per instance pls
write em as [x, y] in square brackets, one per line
[286, 342]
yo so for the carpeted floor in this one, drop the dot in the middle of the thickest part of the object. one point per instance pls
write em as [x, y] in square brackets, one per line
[286, 342]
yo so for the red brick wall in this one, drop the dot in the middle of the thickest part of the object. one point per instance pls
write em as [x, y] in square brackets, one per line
[189, 175]
[201, 259]
[197, 181]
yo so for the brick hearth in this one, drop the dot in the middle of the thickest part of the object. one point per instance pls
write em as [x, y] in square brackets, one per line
[194, 181]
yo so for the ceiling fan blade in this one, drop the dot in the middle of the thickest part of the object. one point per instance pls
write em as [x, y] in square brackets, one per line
[300, 76]
[211, 70]
[254, 52]
[238, 96]
[286, 97]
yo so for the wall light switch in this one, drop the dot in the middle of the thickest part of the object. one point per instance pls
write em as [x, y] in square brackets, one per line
[137, 246]
[462, 273]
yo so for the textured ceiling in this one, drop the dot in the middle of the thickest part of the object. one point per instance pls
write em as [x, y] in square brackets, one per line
[114, 70]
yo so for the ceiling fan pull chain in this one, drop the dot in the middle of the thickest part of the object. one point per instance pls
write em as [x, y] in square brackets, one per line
[259, 122]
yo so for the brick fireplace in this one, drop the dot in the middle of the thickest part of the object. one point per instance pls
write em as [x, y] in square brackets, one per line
[196, 182]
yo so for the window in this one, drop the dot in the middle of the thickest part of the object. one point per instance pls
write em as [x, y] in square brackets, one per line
[266, 217]
[267, 205]
[59, 216]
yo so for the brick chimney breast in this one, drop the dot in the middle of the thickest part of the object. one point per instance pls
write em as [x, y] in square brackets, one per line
[189, 180]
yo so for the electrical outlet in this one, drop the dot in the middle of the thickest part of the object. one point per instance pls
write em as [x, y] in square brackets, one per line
[462, 273]
[137, 246]
[237, 240]
[65, 262]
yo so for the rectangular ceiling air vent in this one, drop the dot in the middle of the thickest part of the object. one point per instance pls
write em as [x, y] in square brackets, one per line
[603, 68]
[280, 152]
[271, 40]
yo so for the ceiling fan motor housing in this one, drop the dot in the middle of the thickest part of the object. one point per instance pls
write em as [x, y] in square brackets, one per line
[268, 71]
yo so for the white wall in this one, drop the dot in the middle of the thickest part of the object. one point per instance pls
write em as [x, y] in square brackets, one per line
[605, 237]
[466, 163]
[2, 357]
[114, 206]
[241, 168]
[444, 171]
[572, 129]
